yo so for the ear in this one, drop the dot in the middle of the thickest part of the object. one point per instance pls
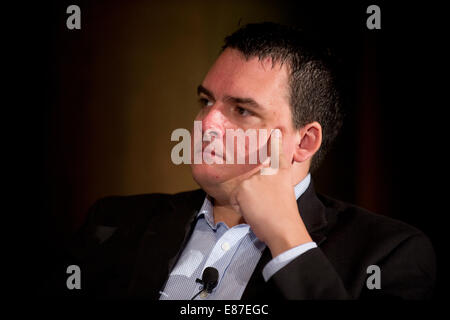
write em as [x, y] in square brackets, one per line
[309, 141]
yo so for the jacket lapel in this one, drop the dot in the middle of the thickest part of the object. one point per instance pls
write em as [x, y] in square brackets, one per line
[163, 243]
[313, 214]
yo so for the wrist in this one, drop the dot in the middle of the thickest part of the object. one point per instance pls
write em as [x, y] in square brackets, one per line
[288, 240]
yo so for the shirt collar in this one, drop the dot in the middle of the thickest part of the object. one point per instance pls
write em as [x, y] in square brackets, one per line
[301, 187]
[207, 211]
[207, 207]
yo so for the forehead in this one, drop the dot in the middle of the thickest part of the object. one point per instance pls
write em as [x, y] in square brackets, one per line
[232, 74]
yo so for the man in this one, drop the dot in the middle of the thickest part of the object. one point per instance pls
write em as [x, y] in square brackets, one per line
[267, 236]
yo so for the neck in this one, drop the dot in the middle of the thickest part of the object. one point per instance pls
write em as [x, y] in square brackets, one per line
[225, 213]
[299, 172]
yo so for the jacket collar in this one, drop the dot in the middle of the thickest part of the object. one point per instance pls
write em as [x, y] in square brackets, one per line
[313, 213]
[163, 242]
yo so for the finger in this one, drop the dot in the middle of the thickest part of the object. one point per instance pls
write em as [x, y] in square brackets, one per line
[270, 165]
[278, 158]
[277, 139]
[250, 173]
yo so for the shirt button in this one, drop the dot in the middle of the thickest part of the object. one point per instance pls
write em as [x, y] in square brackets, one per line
[225, 246]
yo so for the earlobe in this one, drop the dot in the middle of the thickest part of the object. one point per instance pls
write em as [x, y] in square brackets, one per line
[310, 139]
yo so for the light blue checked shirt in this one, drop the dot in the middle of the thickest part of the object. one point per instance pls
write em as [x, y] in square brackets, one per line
[234, 252]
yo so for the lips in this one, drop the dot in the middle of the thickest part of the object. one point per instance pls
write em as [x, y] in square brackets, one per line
[210, 153]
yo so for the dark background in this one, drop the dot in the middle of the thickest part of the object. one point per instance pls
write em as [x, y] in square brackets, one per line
[105, 99]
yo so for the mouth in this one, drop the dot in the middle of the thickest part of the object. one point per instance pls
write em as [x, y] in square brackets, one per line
[209, 153]
[212, 153]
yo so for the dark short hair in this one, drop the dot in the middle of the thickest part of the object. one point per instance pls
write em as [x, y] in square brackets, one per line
[314, 95]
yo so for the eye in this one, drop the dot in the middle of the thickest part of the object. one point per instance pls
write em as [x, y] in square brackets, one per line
[204, 102]
[243, 112]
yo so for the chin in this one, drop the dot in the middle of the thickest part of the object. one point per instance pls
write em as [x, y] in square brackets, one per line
[211, 176]
[206, 175]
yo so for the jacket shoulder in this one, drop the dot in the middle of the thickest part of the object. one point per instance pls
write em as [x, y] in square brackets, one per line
[342, 214]
[115, 211]
[379, 236]
[359, 238]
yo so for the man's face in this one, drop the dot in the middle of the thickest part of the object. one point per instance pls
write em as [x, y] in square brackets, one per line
[242, 94]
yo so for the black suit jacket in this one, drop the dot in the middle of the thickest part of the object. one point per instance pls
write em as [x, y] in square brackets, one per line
[128, 246]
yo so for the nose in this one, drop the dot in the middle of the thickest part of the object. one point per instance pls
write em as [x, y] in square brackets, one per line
[213, 123]
[210, 133]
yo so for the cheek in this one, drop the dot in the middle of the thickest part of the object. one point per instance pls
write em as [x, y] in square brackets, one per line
[248, 147]
[288, 143]
[289, 147]
[212, 174]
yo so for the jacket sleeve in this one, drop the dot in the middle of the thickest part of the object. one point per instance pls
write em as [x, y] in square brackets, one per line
[309, 276]
[84, 251]
[407, 272]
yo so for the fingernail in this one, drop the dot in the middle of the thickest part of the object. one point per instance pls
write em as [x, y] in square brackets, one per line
[277, 133]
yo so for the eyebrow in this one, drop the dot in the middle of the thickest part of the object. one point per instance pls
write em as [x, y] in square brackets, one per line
[202, 89]
[238, 100]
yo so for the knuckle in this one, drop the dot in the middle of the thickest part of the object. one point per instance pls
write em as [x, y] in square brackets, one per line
[245, 184]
